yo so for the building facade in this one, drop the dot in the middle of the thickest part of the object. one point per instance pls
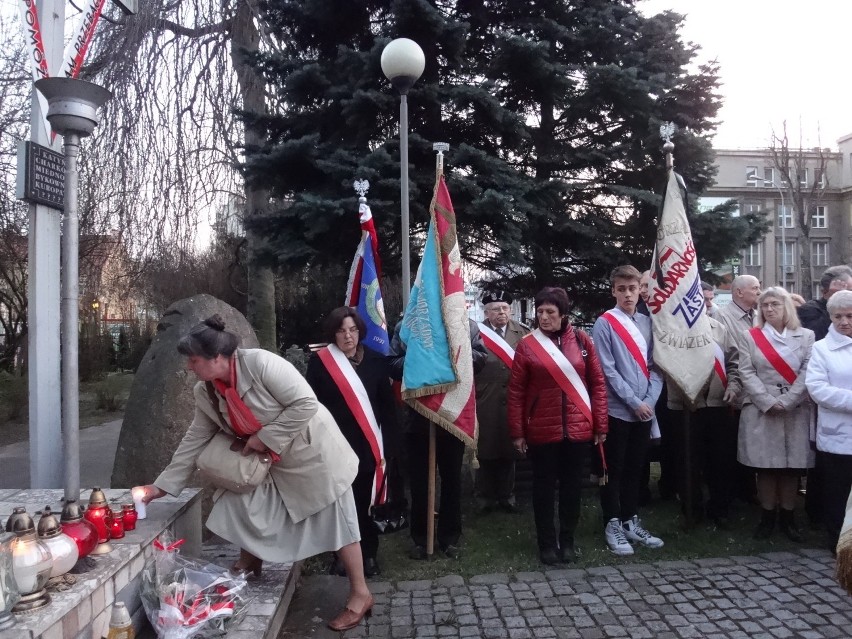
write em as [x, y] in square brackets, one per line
[750, 177]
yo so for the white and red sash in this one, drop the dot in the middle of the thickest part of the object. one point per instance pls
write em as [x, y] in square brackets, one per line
[782, 359]
[353, 391]
[719, 364]
[497, 345]
[632, 338]
[562, 371]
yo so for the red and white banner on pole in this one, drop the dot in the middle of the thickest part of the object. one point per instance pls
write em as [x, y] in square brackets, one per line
[36, 54]
[75, 52]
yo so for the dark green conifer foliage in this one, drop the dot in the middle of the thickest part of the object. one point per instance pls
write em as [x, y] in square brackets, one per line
[552, 110]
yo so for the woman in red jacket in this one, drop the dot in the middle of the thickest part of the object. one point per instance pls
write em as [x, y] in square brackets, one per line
[557, 407]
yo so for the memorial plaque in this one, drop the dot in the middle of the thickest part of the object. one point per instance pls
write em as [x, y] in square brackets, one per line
[41, 175]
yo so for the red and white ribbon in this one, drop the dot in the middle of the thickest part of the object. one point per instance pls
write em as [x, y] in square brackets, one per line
[355, 395]
[497, 345]
[785, 366]
[562, 371]
[631, 336]
[719, 364]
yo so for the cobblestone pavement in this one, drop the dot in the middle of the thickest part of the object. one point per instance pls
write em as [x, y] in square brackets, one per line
[778, 594]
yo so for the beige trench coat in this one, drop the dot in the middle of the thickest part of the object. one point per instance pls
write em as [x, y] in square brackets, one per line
[775, 441]
[491, 384]
[317, 464]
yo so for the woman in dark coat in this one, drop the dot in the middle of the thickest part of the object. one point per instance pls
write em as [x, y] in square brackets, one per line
[344, 330]
[547, 422]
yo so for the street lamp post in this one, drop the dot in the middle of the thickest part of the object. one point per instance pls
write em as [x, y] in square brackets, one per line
[402, 63]
[783, 223]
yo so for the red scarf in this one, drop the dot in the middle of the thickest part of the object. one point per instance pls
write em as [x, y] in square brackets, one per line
[242, 420]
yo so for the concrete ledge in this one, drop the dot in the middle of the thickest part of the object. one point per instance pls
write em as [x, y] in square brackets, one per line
[269, 596]
[82, 612]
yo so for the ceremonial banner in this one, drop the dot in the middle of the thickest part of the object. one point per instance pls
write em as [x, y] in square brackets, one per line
[364, 290]
[437, 379]
[75, 52]
[36, 54]
[683, 341]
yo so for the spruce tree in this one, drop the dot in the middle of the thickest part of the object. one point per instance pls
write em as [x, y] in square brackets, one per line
[552, 110]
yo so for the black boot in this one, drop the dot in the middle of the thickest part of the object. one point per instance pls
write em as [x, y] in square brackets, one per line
[371, 567]
[766, 526]
[787, 525]
[337, 568]
[567, 552]
[548, 556]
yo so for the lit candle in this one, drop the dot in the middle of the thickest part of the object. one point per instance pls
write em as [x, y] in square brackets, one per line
[138, 494]
[26, 568]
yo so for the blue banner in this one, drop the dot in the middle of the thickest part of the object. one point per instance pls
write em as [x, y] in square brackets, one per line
[428, 363]
[370, 305]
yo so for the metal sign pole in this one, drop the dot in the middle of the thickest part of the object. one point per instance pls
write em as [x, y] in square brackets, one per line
[43, 307]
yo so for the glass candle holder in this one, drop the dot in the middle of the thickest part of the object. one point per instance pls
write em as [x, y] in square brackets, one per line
[130, 517]
[9, 594]
[62, 548]
[79, 529]
[31, 562]
[98, 513]
[116, 525]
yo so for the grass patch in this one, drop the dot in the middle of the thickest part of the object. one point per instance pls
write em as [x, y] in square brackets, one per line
[505, 543]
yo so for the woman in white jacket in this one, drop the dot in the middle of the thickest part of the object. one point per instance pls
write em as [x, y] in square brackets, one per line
[829, 381]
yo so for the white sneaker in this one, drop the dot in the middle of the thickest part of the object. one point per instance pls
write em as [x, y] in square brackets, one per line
[616, 539]
[636, 534]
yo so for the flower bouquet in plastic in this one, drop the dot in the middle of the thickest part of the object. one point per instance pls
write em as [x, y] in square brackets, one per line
[186, 598]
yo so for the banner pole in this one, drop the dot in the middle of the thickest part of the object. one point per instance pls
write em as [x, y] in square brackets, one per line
[687, 464]
[430, 499]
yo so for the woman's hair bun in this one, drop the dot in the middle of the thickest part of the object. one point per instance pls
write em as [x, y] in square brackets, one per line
[215, 322]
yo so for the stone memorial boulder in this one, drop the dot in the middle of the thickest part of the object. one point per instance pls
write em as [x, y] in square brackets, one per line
[161, 403]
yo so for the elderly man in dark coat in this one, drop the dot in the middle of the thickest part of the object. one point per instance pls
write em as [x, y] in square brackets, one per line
[496, 476]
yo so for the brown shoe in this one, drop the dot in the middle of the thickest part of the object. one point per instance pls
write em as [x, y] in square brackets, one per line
[349, 618]
[247, 565]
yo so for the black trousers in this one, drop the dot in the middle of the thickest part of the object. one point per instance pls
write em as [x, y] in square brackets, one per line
[837, 481]
[362, 491]
[449, 454]
[713, 458]
[495, 479]
[625, 449]
[663, 453]
[814, 493]
[559, 463]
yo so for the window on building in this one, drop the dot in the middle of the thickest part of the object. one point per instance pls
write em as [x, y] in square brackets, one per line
[785, 216]
[752, 208]
[819, 253]
[752, 175]
[752, 255]
[787, 256]
[819, 219]
[803, 177]
[819, 178]
[768, 176]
